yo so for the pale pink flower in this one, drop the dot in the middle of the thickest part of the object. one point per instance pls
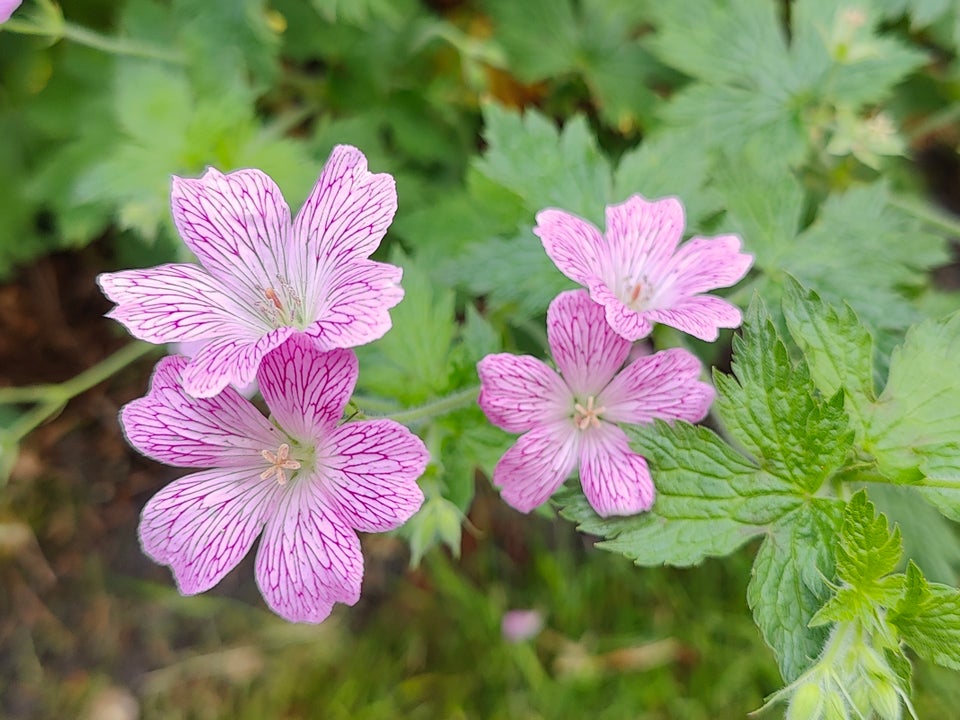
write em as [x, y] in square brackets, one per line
[261, 278]
[519, 625]
[7, 7]
[569, 420]
[637, 273]
[305, 482]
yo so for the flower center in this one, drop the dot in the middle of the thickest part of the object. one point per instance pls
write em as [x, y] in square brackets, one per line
[638, 294]
[280, 304]
[585, 416]
[279, 461]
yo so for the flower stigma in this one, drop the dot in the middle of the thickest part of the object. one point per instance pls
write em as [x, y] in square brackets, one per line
[587, 416]
[279, 461]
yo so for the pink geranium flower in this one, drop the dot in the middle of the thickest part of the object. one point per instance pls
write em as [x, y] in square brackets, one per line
[305, 482]
[261, 278]
[638, 275]
[569, 420]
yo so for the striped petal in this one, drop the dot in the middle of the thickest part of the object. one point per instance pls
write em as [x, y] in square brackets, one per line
[518, 392]
[615, 480]
[532, 470]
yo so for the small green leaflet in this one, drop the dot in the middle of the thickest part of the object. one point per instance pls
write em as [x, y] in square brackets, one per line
[928, 617]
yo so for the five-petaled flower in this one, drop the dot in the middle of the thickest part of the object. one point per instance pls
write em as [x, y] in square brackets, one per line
[303, 480]
[570, 420]
[637, 273]
[261, 278]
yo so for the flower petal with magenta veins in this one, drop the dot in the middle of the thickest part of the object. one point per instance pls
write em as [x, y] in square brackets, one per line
[584, 347]
[306, 388]
[174, 428]
[702, 264]
[700, 316]
[627, 323]
[615, 480]
[576, 247]
[643, 235]
[237, 225]
[518, 392]
[343, 219]
[532, 470]
[203, 524]
[369, 471]
[355, 304]
[663, 386]
[231, 360]
[173, 303]
[308, 558]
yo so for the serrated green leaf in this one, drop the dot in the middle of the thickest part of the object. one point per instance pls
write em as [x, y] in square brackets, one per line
[710, 500]
[543, 166]
[787, 584]
[770, 406]
[866, 551]
[916, 421]
[838, 348]
[928, 617]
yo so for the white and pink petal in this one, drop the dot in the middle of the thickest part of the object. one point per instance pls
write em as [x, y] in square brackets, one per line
[355, 303]
[615, 480]
[625, 322]
[665, 386]
[203, 524]
[701, 316]
[172, 427]
[343, 220]
[519, 392]
[174, 303]
[305, 387]
[642, 235]
[576, 247]
[237, 224]
[232, 360]
[532, 470]
[369, 474]
[704, 264]
[308, 558]
[587, 351]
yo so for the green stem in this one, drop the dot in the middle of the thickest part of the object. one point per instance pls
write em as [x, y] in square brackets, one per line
[444, 405]
[51, 398]
[104, 43]
[927, 213]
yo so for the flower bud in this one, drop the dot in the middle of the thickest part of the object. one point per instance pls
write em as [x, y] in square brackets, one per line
[886, 701]
[834, 706]
[806, 703]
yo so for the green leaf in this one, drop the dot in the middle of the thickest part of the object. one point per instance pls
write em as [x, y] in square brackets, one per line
[928, 617]
[787, 584]
[543, 166]
[410, 363]
[867, 552]
[710, 500]
[838, 348]
[915, 425]
[771, 407]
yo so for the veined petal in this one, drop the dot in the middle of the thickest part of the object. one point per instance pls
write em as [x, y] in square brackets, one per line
[232, 360]
[700, 316]
[203, 524]
[664, 385]
[703, 264]
[643, 235]
[615, 480]
[173, 303]
[237, 225]
[306, 388]
[172, 427]
[585, 348]
[625, 322]
[343, 220]
[355, 309]
[532, 470]
[369, 474]
[519, 392]
[308, 557]
[576, 247]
